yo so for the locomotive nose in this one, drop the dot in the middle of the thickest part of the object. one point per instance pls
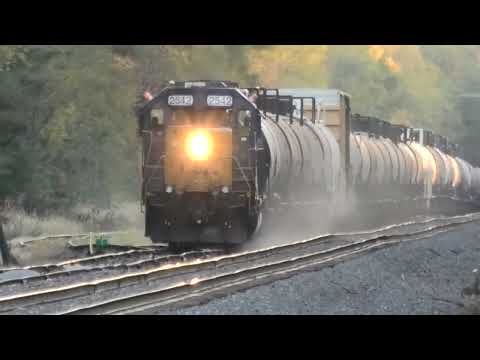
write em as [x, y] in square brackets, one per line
[198, 159]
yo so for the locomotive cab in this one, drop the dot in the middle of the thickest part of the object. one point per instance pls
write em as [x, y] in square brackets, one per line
[199, 168]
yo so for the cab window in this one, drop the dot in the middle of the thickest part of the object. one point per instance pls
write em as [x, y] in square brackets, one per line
[157, 118]
[244, 119]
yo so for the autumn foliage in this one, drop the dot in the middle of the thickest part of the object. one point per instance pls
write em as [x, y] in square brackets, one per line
[68, 133]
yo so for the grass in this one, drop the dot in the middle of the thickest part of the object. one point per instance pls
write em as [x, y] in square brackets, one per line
[18, 223]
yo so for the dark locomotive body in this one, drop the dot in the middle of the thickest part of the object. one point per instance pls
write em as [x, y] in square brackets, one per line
[215, 157]
[189, 199]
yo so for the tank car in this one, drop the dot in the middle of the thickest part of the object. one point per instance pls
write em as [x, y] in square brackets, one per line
[402, 162]
[215, 157]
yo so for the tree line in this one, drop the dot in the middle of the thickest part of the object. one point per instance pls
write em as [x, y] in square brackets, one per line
[67, 127]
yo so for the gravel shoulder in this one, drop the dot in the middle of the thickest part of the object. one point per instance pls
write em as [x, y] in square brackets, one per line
[426, 277]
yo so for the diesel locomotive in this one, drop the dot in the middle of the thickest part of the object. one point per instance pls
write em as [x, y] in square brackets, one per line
[201, 149]
[214, 156]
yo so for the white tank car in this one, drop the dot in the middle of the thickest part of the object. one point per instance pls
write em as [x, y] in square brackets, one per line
[303, 158]
[310, 156]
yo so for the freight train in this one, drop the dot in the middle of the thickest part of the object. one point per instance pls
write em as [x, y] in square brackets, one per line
[215, 156]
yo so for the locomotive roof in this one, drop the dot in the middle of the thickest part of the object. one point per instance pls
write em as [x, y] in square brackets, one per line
[182, 86]
[205, 83]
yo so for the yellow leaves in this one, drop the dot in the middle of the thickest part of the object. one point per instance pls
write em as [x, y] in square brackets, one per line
[422, 78]
[411, 58]
[392, 64]
[376, 52]
[386, 54]
[289, 65]
[373, 74]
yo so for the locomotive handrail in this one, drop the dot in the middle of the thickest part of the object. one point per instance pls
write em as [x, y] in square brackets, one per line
[264, 96]
[242, 172]
[302, 99]
[266, 106]
[245, 179]
[146, 182]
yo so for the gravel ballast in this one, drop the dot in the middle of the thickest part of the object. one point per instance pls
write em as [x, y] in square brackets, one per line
[431, 276]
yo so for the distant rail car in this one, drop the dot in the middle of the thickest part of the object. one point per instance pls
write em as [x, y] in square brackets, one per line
[215, 156]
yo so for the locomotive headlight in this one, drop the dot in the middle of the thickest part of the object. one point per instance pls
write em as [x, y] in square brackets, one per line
[199, 146]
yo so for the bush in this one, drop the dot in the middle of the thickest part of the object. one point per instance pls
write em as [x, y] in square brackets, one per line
[81, 219]
[19, 223]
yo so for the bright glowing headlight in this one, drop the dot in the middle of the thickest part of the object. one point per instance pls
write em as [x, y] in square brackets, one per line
[198, 146]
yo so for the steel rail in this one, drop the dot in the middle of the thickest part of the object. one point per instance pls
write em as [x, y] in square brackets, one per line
[67, 269]
[45, 268]
[53, 268]
[197, 292]
[125, 260]
[154, 258]
[173, 278]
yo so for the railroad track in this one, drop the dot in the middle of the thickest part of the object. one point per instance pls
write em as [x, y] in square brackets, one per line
[90, 268]
[104, 261]
[50, 268]
[186, 283]
[120, 262]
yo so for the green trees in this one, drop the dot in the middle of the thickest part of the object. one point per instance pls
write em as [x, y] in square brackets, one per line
[89, 126]
[67, 131]
[408, 84]
[67, 112]
[12, 123]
